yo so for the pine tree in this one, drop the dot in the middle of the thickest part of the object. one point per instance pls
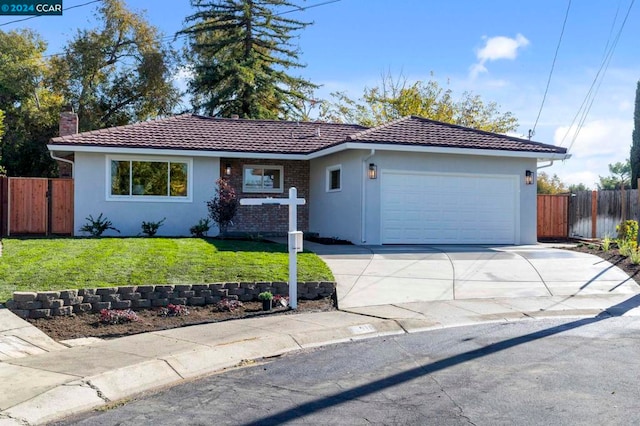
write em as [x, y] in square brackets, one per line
[634, 156]
[240, 55]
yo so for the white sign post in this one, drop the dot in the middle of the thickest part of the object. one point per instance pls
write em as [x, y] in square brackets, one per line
[294, 236]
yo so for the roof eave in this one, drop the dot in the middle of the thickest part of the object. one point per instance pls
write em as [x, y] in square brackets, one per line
[541, 156]
[176, 152]
[440, 150]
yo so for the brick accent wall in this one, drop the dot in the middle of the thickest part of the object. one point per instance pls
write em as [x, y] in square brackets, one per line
[269, 220]
[64, 169]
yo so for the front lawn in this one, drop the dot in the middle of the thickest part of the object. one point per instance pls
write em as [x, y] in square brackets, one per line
[67, 263]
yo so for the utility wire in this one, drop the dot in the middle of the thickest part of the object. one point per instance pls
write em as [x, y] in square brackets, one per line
[299, 9]
[603, 70]
[589, 93]
[172, 37]
[39, 16]
[553, 64]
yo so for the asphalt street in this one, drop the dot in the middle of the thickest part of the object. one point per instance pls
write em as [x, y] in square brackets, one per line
[533, 372]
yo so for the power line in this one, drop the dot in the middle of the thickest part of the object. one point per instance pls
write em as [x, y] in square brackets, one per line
[174, 37]
[603, 68]
[590, 91]
[553, 64]
[299, 9]
[39, 16]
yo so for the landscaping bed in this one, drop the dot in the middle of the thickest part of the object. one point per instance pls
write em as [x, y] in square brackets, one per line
[89, 324]
[612, 255]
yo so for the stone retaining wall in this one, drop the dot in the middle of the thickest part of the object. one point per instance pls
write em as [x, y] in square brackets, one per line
[66, 302]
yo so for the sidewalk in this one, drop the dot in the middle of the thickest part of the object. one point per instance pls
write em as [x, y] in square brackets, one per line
[56, 381]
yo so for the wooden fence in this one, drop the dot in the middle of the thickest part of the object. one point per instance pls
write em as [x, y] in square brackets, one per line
[36, 206]
[553, 216]
[588, 214]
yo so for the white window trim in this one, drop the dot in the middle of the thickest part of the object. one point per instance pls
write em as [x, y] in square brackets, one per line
[263, 190]
[148, 198]
[328, 178]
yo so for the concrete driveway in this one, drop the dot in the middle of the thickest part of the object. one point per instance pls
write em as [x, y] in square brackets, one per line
[385, 275]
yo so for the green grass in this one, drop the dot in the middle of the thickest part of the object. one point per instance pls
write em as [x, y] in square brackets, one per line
[68, 263]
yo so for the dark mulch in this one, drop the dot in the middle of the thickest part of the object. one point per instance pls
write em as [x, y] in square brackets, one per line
[88, 324]
[327, 240]
[612, 256]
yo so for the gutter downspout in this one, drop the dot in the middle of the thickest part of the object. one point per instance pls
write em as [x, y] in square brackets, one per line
[546, 165]
[64, 160]
[364, 196]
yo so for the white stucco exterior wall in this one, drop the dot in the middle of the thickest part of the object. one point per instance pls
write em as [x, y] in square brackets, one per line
[90, 198]
[338, 214]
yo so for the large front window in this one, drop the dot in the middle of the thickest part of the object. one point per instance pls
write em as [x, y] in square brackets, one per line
[149, 178]
[262, 179]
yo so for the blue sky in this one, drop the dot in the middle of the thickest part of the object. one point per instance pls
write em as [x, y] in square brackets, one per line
[499, 49]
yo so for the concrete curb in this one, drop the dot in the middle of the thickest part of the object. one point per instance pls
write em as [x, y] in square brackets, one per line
[184, 354]
[70, 394]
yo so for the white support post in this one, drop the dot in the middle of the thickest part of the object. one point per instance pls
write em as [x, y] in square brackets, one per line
[294, 240]
[293, 259]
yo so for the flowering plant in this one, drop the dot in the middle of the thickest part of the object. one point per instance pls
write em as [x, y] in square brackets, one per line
[116, 316]
[173, 311]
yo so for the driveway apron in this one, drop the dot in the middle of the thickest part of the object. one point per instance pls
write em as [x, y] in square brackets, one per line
[387, 275]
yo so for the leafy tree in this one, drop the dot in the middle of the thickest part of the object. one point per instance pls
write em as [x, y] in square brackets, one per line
[30, 105]
[634, 156]
[396, 98]
[573, 188]
[550, 185]
[619, 177]
[224, 205]
[240, 53]
[118, 73]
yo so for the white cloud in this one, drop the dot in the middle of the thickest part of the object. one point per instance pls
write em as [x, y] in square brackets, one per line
[495, 48]
[604, 137]
[501, 48]
[183, 75]
[599, 143]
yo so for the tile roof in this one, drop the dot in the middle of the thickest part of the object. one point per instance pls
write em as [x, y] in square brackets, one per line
[194, 132]
[418, 131]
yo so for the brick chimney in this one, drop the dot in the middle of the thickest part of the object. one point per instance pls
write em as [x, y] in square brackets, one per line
[68, 126]
[68, 122]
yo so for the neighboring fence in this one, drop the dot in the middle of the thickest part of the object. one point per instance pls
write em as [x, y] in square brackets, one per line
[588, 214]
[36, 206]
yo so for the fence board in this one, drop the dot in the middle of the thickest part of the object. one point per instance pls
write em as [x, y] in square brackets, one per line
[27, 206]
[607, 209]
[61, 206]
[4, 205]
[553, 216]
[580, 215]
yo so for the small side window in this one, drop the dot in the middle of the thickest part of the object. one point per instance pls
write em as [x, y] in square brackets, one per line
[334, 178]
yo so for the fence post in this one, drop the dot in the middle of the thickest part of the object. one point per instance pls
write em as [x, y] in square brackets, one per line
[4, 205]
[49, 206]
[594, 214]
[624, 203]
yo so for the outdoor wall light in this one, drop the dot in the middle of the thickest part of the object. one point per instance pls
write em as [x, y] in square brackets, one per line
[227, 169]
[528, 177]
[373, 171]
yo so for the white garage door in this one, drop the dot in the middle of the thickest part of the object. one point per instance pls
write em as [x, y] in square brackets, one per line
[443, 208]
